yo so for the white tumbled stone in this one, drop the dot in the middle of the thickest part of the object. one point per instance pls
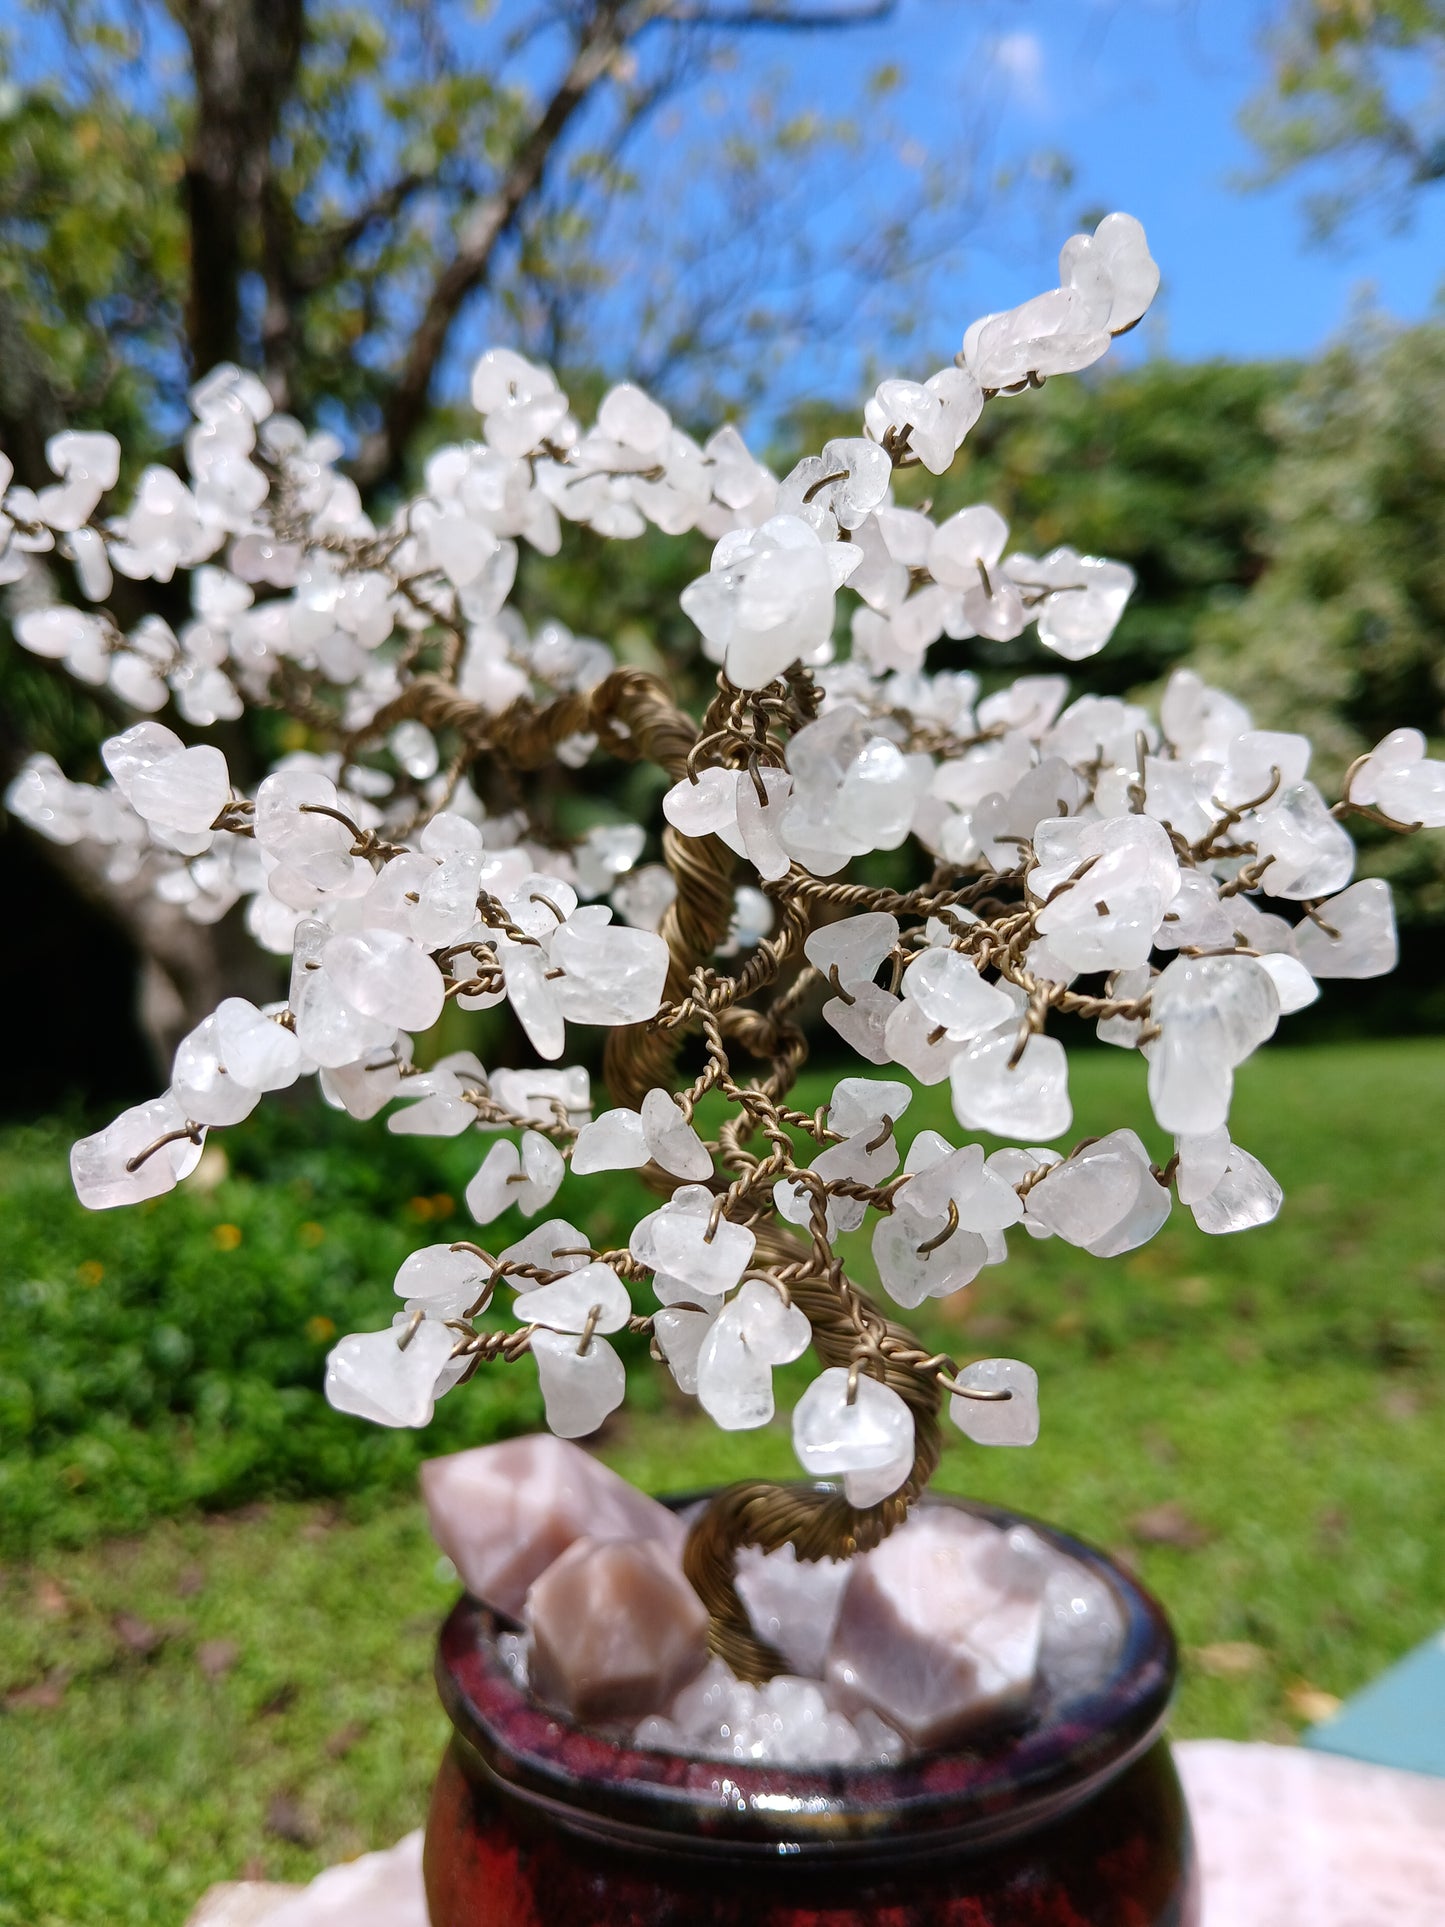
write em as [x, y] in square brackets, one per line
[613, 1141]
[680, 1331]
[751, 1335]
[1028, 1099]
[1306, 852]
[579, 1388]
[98, 1164]
[791, 1602]
[675, 1240]
[1244, 1196]
[857, 945]
[1104, 1198]
[525, 1176]
[861, 1018]
[948, 990]
[383, 974]
[371, 1375]
[671, 1139]
[858, 1102]
[868, 1444]
[568, 1303]
[909, 1270]
[1351, 935]
[1083, 1630]
[1010, 1421]
[443, 1280]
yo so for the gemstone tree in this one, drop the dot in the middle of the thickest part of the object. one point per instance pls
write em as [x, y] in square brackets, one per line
[1178, 882]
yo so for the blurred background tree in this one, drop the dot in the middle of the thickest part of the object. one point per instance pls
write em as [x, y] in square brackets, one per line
[1341, 633]
[1354, 98]
[353, 202]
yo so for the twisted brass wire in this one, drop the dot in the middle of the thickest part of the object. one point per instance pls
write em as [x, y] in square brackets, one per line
[633, 715]
[847, 1327]
[817, 1524]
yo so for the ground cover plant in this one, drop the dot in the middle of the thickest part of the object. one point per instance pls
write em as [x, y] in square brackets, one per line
[1255, 1423]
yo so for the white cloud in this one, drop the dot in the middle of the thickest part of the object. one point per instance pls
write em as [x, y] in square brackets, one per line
[1020, 58]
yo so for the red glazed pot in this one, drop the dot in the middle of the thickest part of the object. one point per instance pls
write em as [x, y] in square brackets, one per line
[1073, 1820]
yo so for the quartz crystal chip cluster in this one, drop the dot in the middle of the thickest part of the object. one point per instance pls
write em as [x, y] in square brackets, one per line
[950, 1626]
[1174, 878]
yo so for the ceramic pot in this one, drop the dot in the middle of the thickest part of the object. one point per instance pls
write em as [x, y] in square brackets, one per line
[1074, 1819]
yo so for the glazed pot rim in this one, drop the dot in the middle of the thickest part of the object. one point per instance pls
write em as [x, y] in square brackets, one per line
[1018, 1779]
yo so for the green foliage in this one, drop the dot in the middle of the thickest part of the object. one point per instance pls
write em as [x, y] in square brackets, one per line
[163, 1358]
[1280, 1389]
[1343, 634]
[1353, 98]
[290, 1686]
[1166, 466]
[91, 248]
[389, 181]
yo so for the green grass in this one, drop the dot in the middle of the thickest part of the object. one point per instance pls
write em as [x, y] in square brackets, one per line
[1281, 1388]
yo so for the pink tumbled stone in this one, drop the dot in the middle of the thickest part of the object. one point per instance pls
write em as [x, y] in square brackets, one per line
[616, 1630]
[939, 1628]
[503, 1513]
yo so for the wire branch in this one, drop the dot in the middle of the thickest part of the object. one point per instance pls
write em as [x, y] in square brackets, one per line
[603, 34]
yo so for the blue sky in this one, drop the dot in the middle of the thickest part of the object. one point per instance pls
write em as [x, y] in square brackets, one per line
[1142, 96]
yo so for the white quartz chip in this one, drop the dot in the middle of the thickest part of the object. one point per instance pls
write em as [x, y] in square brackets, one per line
[861, 1101]
[1352, 935]
[706, 807]
[671, 1139]
[527, 1177]
[1024, 1099]
[612, 1142]
[735, 1362]
[445, 1281]
[860, 1017]
[948, 990]
[678, 1240]
[568, 1303]
[370, 1375]
[857, 945]
[1399, 779]
[1244, 1195]
[1104, 1198]
[99, 1164]
[383, 974]
[1305, 851]
[579, 1388]
[868, 1443]
[1010, 1421]
[680, 1331]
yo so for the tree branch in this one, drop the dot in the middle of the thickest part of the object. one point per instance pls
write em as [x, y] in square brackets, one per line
[730, 19]
[327, 249]
[602, 38]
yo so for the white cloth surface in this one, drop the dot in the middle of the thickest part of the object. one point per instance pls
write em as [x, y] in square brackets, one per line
[1292, 1838]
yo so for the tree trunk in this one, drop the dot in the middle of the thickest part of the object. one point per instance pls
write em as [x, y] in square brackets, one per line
[186, 968]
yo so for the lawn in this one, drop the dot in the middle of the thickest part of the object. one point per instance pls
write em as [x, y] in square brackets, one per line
[220, 1596]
